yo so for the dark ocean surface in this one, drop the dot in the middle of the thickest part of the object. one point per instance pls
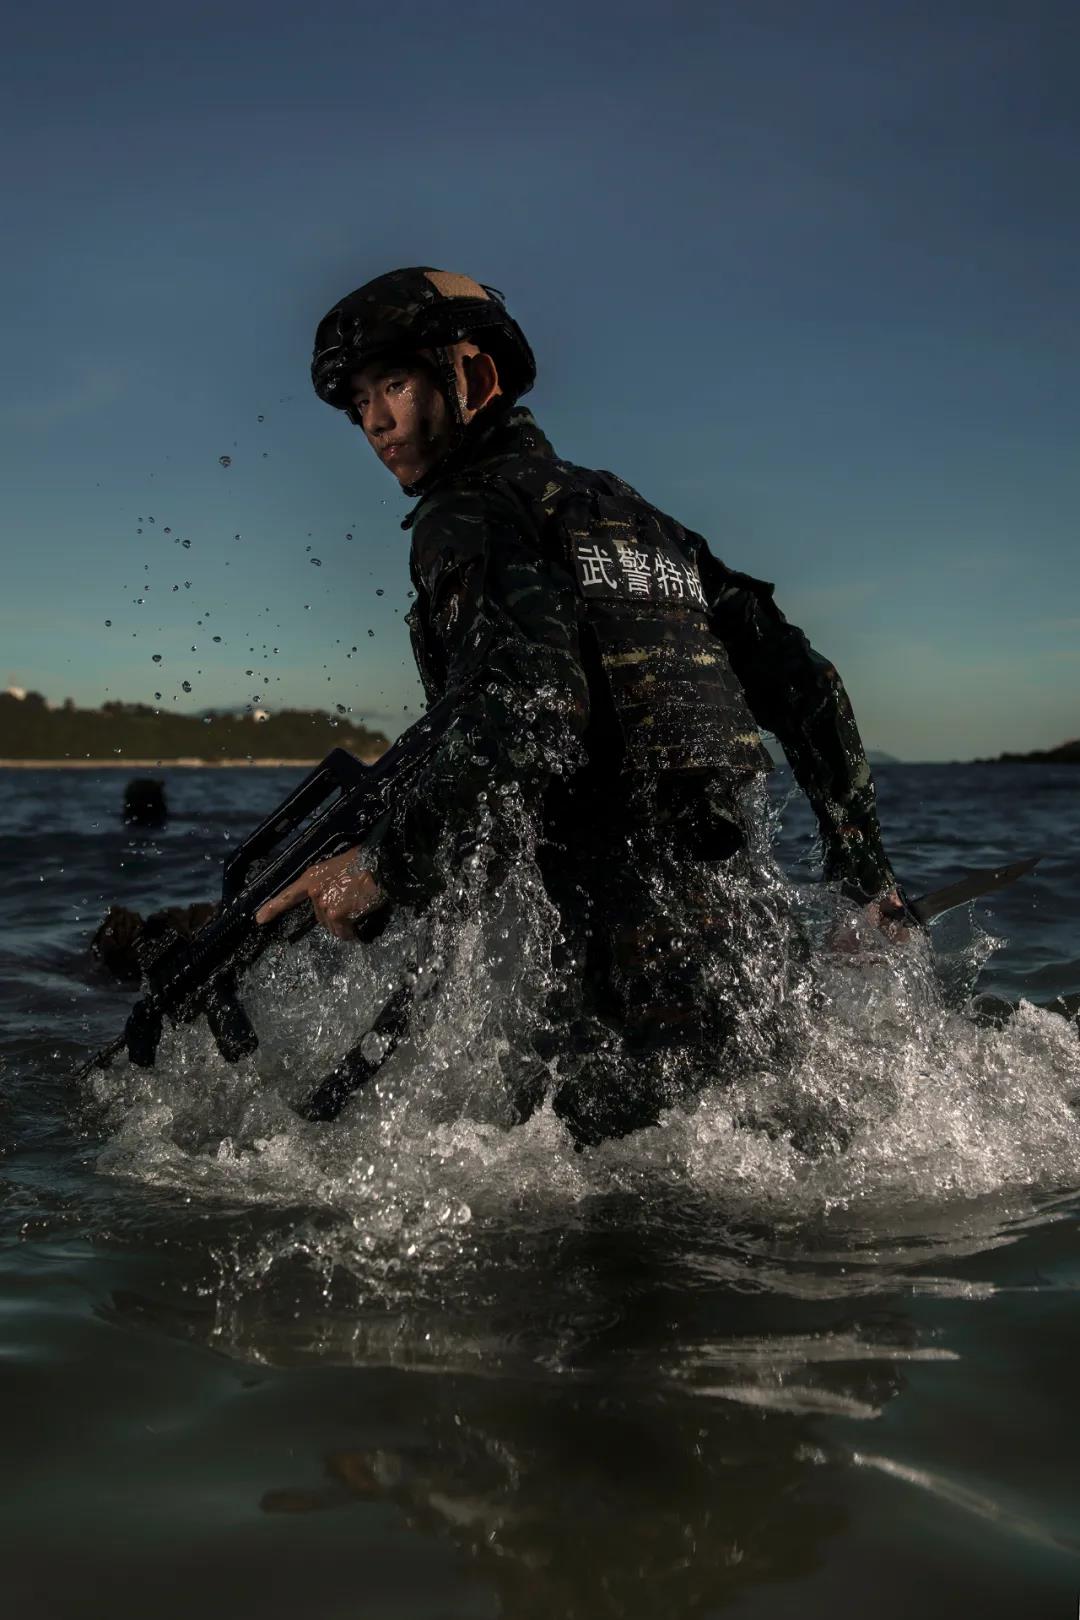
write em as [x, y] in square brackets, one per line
[418, 1364]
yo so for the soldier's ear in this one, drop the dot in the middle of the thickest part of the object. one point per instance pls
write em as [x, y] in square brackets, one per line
[481, 380]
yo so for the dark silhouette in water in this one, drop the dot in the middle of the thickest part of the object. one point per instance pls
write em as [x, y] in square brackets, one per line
[144, 802]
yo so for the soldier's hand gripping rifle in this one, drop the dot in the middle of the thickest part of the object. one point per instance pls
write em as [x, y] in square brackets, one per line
[333, 808]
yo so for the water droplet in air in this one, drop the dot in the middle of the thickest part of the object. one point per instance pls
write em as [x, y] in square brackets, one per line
[108, 624]
[316, 562]
[371, 632]
[261, 419]
[186, 685]
[155, 658]
[186, 544]
[157, 694]
[166, 530]
[340, 707]
[380, 593]
[217, 638]
[348, 537]
[226, 461]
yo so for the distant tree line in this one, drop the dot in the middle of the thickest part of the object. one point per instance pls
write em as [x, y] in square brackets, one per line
[29, 729]
[1068, 753]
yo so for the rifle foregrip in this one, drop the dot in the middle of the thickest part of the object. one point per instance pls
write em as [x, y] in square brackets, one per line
[142, 1034]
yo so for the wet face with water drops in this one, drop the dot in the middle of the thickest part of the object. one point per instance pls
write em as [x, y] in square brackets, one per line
[404, 414]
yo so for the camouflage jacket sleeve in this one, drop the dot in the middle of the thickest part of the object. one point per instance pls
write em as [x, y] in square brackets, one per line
[500, 626]
[797, 695]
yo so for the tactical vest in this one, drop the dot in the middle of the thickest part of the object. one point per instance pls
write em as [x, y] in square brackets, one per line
[653, 663]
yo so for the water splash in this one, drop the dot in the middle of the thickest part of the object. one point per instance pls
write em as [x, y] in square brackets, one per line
[886, 1119]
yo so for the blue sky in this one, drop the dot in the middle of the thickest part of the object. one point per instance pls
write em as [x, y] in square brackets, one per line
[803, 272]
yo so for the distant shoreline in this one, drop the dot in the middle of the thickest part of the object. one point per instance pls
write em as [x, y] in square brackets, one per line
[136, 737]
[145, 764]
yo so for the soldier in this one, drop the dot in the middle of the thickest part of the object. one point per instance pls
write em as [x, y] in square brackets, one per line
[609, 670]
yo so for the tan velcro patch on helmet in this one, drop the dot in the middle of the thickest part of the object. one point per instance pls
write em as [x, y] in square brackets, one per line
[455, 286]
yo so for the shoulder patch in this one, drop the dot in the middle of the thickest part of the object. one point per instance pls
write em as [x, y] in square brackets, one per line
[621, 557]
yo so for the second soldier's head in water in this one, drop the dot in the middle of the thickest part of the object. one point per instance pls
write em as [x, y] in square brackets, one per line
[413, 358]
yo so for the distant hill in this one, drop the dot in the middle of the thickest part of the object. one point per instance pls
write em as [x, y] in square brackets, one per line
[1066, 753]
[30, 729]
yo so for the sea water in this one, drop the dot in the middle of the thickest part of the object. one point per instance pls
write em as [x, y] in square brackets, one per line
[420, 1362]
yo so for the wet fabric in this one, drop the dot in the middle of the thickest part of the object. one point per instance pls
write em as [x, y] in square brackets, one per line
[676, 701]
[611, 674]
[660, 983]
[515, 613]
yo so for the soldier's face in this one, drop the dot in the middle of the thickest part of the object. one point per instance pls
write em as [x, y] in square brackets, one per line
[403, 415]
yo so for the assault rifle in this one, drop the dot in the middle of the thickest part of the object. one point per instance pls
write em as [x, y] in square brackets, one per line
[333, 808]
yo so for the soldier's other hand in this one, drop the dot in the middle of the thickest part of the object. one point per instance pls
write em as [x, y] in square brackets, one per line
[341, 891]
[887, 914]
[890, 915]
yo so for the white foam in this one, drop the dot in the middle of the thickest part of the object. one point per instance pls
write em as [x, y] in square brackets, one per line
[952, 1128]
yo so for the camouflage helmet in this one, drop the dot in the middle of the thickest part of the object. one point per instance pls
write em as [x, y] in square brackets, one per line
[412, 309]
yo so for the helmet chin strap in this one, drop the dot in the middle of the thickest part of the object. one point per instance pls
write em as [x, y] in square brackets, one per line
[448, 377]
[442, 362]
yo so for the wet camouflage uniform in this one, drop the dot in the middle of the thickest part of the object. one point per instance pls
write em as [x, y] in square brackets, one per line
[617, 672]
[604, 663]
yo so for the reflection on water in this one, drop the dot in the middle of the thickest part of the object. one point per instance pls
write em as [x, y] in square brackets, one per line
[596, 1419]
[588, 1505]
